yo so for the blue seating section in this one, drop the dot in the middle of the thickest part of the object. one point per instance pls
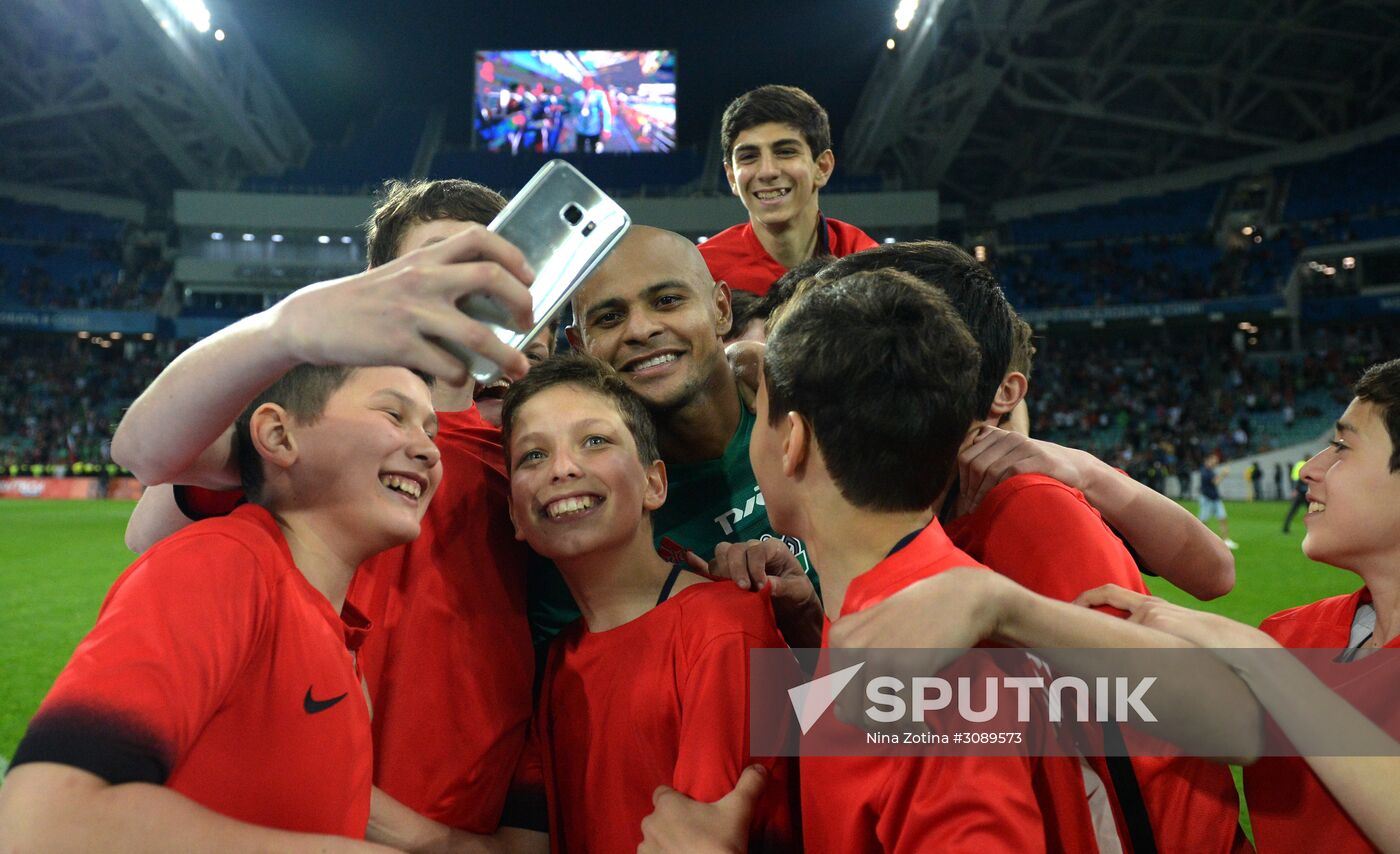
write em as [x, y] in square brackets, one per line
[622, 174]
[54, 258]
[1180, 212]
[1355, 181]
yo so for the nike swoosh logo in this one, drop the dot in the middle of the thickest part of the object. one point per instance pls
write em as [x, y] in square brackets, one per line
[811, 699]
[312, 705]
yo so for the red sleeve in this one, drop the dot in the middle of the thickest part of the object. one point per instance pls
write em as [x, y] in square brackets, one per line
[172, 635]
[967, 803]
[714, 732]
[198, 503]
[1045, 537]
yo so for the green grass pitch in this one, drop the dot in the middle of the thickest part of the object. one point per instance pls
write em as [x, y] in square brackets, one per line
[57, 559]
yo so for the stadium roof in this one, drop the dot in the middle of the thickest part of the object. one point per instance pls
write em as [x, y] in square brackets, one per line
[995, 99]
[985, 100]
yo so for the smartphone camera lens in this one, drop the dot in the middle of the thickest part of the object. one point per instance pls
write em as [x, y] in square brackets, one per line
[588, 229]
[572, 214]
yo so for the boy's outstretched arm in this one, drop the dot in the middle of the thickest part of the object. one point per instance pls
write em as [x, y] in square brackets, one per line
[1168, 540]
[957, 609]
[179, 428]
[45, 806]
[1308, 712]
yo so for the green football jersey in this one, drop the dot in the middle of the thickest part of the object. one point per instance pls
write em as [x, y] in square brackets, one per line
[718, 501]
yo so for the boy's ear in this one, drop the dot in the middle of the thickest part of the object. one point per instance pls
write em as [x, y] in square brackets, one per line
[271, 431]
[575, 336]
[724, 308]
[826, 164]
[729, 176]
[797, 444]
[655, 494]
[1012, 391]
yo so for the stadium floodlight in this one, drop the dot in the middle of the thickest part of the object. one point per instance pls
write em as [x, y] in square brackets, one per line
[904, 15]
[1349, 263]
[216, 235]
[701, 239]
[277, 238]
[115, 336]
[889, 43]
[889, 240]
[1247, 230]
[347, 240]
[323, 239]
[218, 35]
[195, 13]
[148, 336]
[248, 238]
[84, 334]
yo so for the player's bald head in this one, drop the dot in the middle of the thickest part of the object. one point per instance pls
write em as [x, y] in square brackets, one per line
[643, 257]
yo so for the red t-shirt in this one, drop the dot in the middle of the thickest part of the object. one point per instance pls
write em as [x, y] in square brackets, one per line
[955, 803]
[1290, 808]
[450, 666]
[216, 669]
[737, 257]
[661, 700]
[1192, 803]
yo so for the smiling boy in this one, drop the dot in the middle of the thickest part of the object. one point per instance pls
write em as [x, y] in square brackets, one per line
[217, 702]
[449, 723]
[650, 688]
[777, 157]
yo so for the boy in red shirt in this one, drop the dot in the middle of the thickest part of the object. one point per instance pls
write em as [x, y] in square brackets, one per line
[651, 687]
[777, 157]
[449, 722]
[217, 704]
[860, 482]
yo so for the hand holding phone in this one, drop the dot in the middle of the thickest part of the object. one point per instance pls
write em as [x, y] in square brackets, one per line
[564, 225]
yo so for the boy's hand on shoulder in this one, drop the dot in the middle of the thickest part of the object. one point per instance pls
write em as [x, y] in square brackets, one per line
[995, 455]
[392, 314]
[680, 824]
[1210, 631]
[770, 566]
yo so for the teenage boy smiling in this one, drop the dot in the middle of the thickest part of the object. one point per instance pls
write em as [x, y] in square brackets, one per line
[180, 724]
[650, 687]
[777, 157]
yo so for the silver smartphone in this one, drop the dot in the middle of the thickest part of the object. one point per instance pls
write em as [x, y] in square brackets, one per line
[565, 226]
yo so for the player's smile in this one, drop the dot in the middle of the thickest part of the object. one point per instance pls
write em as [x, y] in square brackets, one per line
[656, 363]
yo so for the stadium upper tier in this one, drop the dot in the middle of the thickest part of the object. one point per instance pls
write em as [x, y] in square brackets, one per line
[1360, 181]
[384, 148]
[51, 258]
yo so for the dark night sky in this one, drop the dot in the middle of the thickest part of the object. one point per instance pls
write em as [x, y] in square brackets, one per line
[340, 59]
